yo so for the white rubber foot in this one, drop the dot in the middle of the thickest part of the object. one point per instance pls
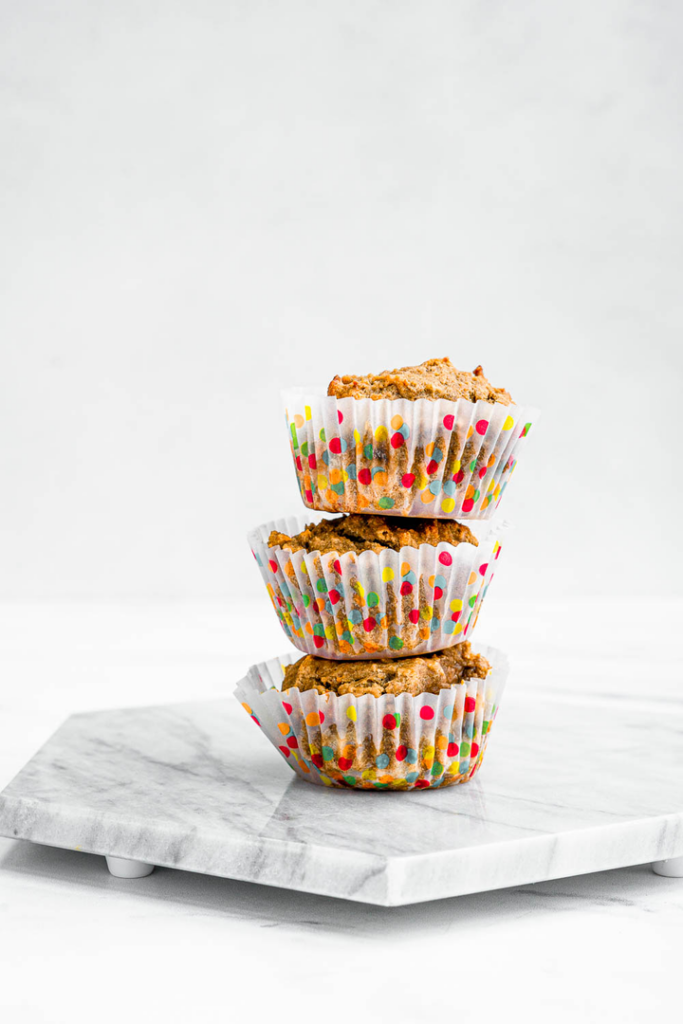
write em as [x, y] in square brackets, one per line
[672, 868]
[121, 868]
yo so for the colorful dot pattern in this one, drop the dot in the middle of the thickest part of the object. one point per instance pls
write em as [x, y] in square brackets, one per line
[390, 742]
[391, 604]
[444, 459]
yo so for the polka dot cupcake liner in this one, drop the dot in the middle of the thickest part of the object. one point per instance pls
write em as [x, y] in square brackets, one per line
[370, 605]
[443, 459]
[388, 742]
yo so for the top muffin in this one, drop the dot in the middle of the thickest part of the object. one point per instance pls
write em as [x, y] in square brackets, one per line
[433, 379]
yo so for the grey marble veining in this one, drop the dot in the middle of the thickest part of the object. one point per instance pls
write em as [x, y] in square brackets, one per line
[570, 785]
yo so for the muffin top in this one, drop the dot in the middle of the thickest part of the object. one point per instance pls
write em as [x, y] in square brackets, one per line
[373, 533]
[427, 674]
[433, 379]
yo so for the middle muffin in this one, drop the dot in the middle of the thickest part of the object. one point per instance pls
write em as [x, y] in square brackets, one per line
[376, 586]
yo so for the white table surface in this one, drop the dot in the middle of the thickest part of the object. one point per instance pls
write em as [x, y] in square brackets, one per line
[74, 941]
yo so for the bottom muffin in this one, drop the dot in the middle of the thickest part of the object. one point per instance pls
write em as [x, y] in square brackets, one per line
[427, 728]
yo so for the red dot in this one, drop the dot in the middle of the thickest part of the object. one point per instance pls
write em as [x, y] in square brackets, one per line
[318, 641]
[322, 717]
[397, 440]
[389, 722]
[333, 596]
[312, 461]
[309, 497]
[427, 713]
[467, 505]
[273, 565]
[364, 476]
[287, 707]
[285, 751]
[432, 466]
[406, 588]
[298, 463]
[448, 421]
[483, 568]
[414, 616]
[438, 592]
[453, 749]
[335, 446]
[317, 760]
[455, 616]
[345, 763]
[499, 550]
[470, 704]
[408, 479]
[482, 472]
[421, 784]
[401, 753]
[292, 742]
[459, 476]
[445, 558]
[255, 719]
[369, 624]
[340, 416]
[475, 750]
[482, 426]
[336, 565]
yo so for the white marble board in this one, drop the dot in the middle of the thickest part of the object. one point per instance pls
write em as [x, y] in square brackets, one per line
[572, 783]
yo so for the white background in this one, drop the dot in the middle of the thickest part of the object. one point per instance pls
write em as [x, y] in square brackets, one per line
[203, 202]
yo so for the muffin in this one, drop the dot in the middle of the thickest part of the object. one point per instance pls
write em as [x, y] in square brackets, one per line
[427, 440]
[361, 587]
[414, 724]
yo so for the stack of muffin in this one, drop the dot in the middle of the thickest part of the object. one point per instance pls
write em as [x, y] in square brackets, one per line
[383, 600]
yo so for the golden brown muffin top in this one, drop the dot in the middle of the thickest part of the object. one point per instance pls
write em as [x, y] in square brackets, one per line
[433, 379]
[427, 674]
[373, 533]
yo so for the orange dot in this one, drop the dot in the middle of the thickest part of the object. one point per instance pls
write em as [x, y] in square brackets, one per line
[380, 479]
[426, 497]
[472, 578]
[335, 476]
[312, 718]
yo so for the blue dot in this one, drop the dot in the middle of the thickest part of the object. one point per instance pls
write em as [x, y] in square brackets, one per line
[435, 486]
[469, 731]
[405, 430]
[449, 626]
[258, 561]
[382, 761]
[410, 577]
[435, 623]
[355, 616]
[411, 756]
[464, 768]
[440, 581]
[326, 458]
[449, 488]
[448, 713]
[437, 455]
[412, 776]
[352, 471]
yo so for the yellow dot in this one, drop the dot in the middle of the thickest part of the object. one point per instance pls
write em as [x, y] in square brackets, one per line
[509, 423]
[387, 575]
[312, 718]
[369, 773]
[454, 768]
[397, 422]
[351, 714]
[381, 434]
[283, 727]
[326, 781]
[360, 590]
[458, 629]
[427, 613]
[298, 420]
[421, 482]
[329, 631]
[456, 466]
[322, 483]
[491, 485]
[456, 605]
[448, 504]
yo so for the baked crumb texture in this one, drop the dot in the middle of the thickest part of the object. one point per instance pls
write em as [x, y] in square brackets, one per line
[376, 601]
[427, 726]
[373, 533]
[433, 379]
[403, 447]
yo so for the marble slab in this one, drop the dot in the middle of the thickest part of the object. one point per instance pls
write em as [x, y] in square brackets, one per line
[571, 784]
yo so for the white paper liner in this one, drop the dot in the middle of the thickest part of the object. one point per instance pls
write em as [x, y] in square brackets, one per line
[388, 742]
[443, 459]
[388, 605]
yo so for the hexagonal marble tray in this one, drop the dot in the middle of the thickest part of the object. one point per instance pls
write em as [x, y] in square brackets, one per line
[571, 784]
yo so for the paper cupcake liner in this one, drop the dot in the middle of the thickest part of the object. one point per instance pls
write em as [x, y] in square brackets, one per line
[443, 459]
[370, 605]
[388, 742]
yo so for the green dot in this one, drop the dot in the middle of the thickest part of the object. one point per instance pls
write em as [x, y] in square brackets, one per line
[386, 502]
[319, 629]
[395, 643]
[295, 441]
[473, 465]
[328, 753]
[321, 586]
[398, 718]
[473, 600]
[477, 495]
[464, 750]
[367, 451]
[437, 769]
[372, 599]
[307, 600]
[350, 780]
[304, 448]
[321, 435]
[381, 785]
[485, 727]
[348, 637]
